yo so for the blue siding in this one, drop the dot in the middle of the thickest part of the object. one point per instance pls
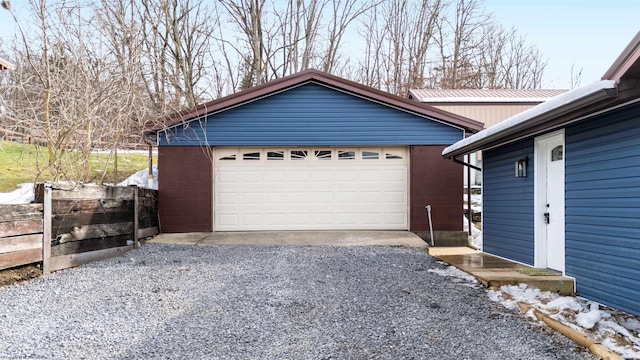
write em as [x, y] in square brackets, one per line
[507, 215]
[603, 208]
[312, 114]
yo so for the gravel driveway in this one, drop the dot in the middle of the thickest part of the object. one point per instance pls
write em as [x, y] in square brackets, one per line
[250, 302]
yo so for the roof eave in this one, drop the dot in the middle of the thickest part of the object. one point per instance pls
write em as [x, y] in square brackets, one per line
[627, 58]
[482, 100]
[470, 144]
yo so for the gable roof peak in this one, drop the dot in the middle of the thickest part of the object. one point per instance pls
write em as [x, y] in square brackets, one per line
[313, 75]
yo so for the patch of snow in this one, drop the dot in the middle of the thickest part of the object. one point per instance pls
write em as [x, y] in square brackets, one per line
[631, 324]
[22, 195]
[618, 331]
[563, 302]
[476, 234]
[621, 329]
[141, 178]
[476, 202]
[121, 151]
[627, 352]
[454, 272]
[589, 319]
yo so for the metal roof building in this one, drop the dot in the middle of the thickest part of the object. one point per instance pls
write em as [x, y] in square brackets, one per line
[489, 106]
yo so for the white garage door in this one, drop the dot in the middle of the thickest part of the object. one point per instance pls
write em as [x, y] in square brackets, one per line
[310, 188]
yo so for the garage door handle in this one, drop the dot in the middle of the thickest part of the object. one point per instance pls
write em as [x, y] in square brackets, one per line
[546, 218]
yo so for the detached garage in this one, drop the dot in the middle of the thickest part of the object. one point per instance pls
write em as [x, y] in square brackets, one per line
[310, 152]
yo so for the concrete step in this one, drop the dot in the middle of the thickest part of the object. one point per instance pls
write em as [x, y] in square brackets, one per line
[493, 271]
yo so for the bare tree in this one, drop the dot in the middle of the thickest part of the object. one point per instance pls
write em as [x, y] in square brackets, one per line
[31, 98]
[427, 18]
[298, 24]
[476, 52]
[576, 77]
[343, 14]
[398, 36]
[248, 15]
[459, 41]
[178, 37]
[92, 73]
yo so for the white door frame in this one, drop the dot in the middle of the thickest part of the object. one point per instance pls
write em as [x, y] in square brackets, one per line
[540, 198]
[213, 188]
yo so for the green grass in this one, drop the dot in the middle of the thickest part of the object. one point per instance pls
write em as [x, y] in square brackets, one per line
[20, 163]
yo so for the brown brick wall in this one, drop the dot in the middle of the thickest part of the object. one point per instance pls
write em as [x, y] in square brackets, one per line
[437, 182]
[184, 184]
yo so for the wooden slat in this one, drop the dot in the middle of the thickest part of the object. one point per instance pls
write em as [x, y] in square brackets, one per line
[148, 202]
[76, 247]
[20, 228]
[21, 217]
[66, 206]
[46, 237]
[20, 243]
[148, 193]
[144, 223]
[66, 223]
[20, 212]
[144, 233]
[67, 261]
[144, 214]
[18, 258]
[94, 192]
[155, 220]
[148, 215]
[95, 231]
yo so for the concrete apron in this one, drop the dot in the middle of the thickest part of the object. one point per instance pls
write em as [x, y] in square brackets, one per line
[304, 238]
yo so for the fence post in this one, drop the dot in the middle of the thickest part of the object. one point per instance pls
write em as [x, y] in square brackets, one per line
[46, 234]
[136, 241]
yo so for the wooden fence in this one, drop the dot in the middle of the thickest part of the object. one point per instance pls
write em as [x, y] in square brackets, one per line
[21, 228]
[82, 224]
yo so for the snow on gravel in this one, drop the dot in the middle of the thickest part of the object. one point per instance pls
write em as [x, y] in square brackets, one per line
[454, 272]
[617, 330]
[258, 302]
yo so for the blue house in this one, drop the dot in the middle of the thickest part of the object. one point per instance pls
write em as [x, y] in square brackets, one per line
[561, 185]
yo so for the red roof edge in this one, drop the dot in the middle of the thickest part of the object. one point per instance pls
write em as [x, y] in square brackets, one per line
[319, 77]
[625, 60]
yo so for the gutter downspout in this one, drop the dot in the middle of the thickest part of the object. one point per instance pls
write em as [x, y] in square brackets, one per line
[469, 195]
[465, 163]
[469, 166]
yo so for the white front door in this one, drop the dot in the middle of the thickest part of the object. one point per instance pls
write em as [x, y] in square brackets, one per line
[315, 188]
[550, 244]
